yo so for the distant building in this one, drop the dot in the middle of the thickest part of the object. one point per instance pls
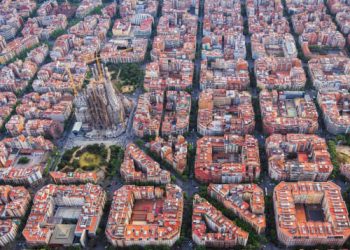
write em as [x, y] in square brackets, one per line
[312, 22]
[168, 73]
[297, 6]
[60, 77]
[51, 105]
[86, 6]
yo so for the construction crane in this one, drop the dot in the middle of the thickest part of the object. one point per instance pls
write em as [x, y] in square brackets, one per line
[75, 92]
[71, 79]
[127, 50]
[99, 68]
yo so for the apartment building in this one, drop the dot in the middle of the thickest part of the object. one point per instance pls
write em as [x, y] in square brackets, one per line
[309, 22]
[314, 44]
[227, 159]
[16, 125]
[124, 50]
[44, 26]
[11, 21]
[224, 74]
[176, 115]
[86, 6]
[210, 228]
[16, 75]
[9, 230]
[298, 157]
[14, 202]
[43, 127]
[148, 114]
[130, 32]
[17, 46]
[168, 74]
[145, 215]
[279, 73]
[172, 150]
[93, 25]
[223, 111]
[60, 77]
[223, 31]
[300, 6]
[176, 36]
[53, 7]
[28, 142]
[15, 172]
[139, 167]
[51, 105]
[337, 5]
[335, 109]
[52, 202]
[7, 103]
[70, 47]
[330, 73]
[343, 20]
[310, 213]
[244, 200]
[288, 112]
[24, 9]
[273, 44]
[73, 177]
[266, 14]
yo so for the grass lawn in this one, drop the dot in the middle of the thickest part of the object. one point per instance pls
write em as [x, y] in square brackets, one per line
[87, 160]
[343, 154]
[343, 158]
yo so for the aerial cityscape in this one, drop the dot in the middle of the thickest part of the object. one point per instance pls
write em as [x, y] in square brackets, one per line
[174, 124]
